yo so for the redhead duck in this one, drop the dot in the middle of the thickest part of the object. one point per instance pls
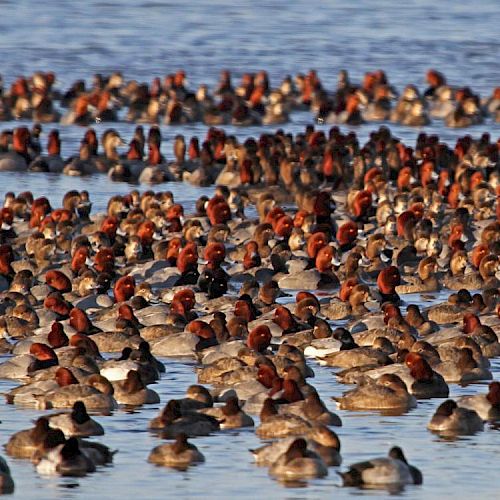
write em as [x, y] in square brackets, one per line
[187, 264]
[285, 320]
[487, 406]
[298, 463]
[420, 379]
[6, 481]
[41, 356]
[275, 425]
[380, 108]
[451, 419]
[198, 336]
[66, 460]
[483, 335]
[259, 338]
[18, 159]
[388, 392]
[172, 421]
[52, 160]
[124, 288]
[179, 454]
[387, 281]
[427, 383]
[230, 416]
[392, 471]
[81, 323]
[132, 391]
[79, 114]
[78, 423]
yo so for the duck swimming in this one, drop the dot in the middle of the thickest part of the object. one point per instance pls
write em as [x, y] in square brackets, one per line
[298, 463]
[388, 392]
[179, 454]
[451, 419]
[385, 472]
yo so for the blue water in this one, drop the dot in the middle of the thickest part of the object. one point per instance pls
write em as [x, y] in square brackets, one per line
[152, 38]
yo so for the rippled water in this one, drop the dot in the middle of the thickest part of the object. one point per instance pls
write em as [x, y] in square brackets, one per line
[152, 38]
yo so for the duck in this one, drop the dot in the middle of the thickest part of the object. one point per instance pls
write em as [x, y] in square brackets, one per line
[180, 454]
[6, 481]
[462, 368]
[275, 425]
[115, 370]
[18, 159]
[83, 164]
[392, 471]
[388, 392]
[23, 444]
[487, 406]
[132, 391]
[52, 161]
[78, 423]
[451, 419]
[172, 421]
[417, 320]
[313, 410]
[416, 116]
[230, 416]
[197, 397]
[298, 463]
[355, 357]
[66, 460]
[476, 280]
[96, 393]
[40, 357]
[420, 379]
[198, 336]
[387, 281]
[426, 281]
[320, 439]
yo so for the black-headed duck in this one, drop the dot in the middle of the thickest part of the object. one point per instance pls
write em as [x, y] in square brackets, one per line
[392, 471]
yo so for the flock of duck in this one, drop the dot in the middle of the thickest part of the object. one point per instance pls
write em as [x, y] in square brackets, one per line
[341, 237]
[299, 162]
[253, 102]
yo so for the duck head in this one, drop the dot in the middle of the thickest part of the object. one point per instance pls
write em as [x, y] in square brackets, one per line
[124, 288]
[259, 338]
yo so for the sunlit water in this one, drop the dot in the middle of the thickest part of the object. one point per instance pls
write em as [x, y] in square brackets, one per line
[153, 38]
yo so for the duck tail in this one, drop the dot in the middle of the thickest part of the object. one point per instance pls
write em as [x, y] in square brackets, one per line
[351, 478]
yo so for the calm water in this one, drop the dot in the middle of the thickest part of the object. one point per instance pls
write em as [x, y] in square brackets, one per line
[146, 39]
